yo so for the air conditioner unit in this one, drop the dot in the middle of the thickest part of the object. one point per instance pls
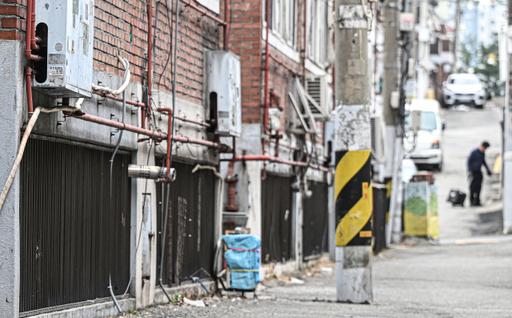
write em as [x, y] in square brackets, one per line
[378, 138]
[224, 91]
[66, 30]
[316, 87]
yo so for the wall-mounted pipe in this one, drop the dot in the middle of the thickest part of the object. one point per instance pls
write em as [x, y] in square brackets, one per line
[33, 38]
[226, 26]
[283, 145]
[151, 172]
[231, 180]
[30, 41]
[149, 133]
[139, 104]
[123, 87]
[150, 58]
[305, 56]
[267, 54]
[28, 77]
[268, 158]
[195, 122]
[119, 99]
[170, 132]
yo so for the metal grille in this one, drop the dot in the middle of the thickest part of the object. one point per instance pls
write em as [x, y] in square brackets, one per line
[74, 233]
[315, 90]
[190, 242]
[315, 220]
[276, 205]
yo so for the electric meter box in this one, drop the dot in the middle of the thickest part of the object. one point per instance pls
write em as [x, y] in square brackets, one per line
[66, 29]
[224, 91]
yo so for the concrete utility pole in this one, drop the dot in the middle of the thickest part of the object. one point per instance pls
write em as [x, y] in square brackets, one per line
[353, 188]
[456, 37]
[423, 50]
[390, 86]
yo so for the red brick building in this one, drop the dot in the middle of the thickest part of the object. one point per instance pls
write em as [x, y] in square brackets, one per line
[92, 223]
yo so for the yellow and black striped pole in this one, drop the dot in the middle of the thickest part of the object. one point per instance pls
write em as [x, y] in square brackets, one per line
[353, 195]
[352, 184]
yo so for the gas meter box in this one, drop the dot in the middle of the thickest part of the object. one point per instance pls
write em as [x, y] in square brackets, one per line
[66, 29]
[224, 92]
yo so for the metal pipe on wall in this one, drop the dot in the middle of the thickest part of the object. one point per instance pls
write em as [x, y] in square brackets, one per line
[30, 33]
[304, 26]
[30, 104]
[150, 61]
[267, 54]
[278, 160]
[168, 111]
[138, 104]
[33, 43]
[226, 26]
[149, 133]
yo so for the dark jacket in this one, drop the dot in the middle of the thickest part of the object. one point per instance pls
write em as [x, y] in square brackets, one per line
[476, 160]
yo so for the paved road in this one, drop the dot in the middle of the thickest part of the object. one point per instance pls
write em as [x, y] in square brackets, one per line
[464, 131]
[464, 280]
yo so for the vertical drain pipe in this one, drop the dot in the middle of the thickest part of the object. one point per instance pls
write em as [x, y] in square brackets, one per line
[28, 77]
[30, 32]
[231, 180]
[150, 56]
[266, 101]
[169, 139]
[305, 36]
[226, 26]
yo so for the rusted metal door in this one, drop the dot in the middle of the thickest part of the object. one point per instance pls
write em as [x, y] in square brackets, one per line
[276, 209]
[74, 231]
[191, 226]
[315, 221]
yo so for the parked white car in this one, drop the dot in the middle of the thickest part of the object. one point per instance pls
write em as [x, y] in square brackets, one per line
[463, 89]
[426, 147]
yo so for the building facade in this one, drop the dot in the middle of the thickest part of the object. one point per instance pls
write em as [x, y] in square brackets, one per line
[76, 226]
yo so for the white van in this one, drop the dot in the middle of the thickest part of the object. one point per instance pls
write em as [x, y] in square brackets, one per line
[426, 148]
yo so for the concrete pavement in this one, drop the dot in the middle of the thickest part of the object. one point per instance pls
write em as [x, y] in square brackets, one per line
[471, 279]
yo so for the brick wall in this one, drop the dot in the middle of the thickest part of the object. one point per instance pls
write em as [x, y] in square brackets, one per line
[124, 25]
[12, 19]
[245, 41]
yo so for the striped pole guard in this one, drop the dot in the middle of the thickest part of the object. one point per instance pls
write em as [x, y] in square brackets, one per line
[353, 194]
[388, 182]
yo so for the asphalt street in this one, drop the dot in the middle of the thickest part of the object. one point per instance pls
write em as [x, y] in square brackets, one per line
[465, 130]
[456, 280]
[468, 273]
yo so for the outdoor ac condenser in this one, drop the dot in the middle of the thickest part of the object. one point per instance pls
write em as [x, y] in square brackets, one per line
[378, 136]
[66, 29]
[224, 91]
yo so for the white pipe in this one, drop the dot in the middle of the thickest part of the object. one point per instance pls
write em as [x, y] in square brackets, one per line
[121, 89]
[23, 143]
